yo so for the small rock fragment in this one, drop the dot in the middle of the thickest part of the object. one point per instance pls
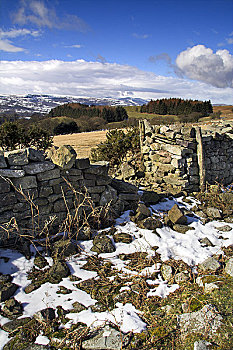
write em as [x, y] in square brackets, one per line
[229, 267]
[210, 264]
[176, 216]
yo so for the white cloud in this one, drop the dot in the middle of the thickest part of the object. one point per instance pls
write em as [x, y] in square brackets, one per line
[140, 36]
[5, 45]
[37, 13]
[13, 33]
[201, 63]
[96, 79]
[75, 46]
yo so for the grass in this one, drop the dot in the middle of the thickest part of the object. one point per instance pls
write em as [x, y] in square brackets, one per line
[81, 142]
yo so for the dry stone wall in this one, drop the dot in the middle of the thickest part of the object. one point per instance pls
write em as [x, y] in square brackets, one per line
[218, 152]
[31, 183]
[184, 158]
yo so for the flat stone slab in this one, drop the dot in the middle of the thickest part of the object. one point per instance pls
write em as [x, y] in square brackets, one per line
[205, 321]
[39, 167]
[106, 338]
[11, 173]
[17, 157]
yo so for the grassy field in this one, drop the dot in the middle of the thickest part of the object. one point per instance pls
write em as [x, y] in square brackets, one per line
[227, 111]
[81, 142]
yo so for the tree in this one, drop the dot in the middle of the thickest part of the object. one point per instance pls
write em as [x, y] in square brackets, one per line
[66, 128]
[13, 136]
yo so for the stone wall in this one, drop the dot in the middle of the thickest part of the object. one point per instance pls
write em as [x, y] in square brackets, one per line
[218, 153]
[183, 158]
[29, 182]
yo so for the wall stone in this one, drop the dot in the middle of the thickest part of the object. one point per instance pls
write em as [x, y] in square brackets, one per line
[183, 158]
[30, 182]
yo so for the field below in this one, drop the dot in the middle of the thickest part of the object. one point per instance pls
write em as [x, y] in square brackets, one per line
[84, 142]
[81, 142]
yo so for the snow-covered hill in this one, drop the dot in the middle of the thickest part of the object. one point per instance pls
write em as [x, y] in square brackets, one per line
[29, 104]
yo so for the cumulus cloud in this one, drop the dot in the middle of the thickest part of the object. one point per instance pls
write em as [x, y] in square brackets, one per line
[201, 63]
[97, 79]
[37, 13]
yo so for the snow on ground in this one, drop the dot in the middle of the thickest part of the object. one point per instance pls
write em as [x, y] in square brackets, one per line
[171, 244]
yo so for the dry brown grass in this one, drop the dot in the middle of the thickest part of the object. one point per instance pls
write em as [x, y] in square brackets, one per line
[81, 142]
[227, 111]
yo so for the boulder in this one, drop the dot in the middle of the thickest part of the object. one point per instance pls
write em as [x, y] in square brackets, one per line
[201, 345]
[150, 223]
[150, 197]
[142, 212]
[213, 213]
[205, 242]
[64, 247]
[127, 171]
[123, 187]
[109, 195]
[227, 197]
[63, 156]
[12, 309]
[78, 307]
[103, 244]
[45, 315]
[14, 324]
[7, 289]
[224, 228]
[82, 163]
[182, 228]
[176, 216]
[58, 271]
[210, 264]
[207, 320]
[34, 155]
[40, 261]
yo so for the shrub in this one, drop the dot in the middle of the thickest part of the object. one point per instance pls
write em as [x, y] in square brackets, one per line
[66, 128]
[115, 148]
[13, 136]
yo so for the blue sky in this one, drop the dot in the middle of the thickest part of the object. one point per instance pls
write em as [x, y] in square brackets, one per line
[100, 48]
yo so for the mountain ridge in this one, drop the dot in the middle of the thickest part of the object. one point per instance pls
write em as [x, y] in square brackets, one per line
[42, 103]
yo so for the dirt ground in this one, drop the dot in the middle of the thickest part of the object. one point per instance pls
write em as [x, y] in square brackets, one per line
[81, 142]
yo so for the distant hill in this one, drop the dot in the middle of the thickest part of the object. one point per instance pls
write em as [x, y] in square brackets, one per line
[30, 104]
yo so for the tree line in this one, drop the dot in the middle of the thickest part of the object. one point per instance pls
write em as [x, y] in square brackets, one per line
[177, 106]
[78, 110]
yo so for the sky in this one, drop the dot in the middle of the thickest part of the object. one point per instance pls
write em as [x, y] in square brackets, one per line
[118, 48]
